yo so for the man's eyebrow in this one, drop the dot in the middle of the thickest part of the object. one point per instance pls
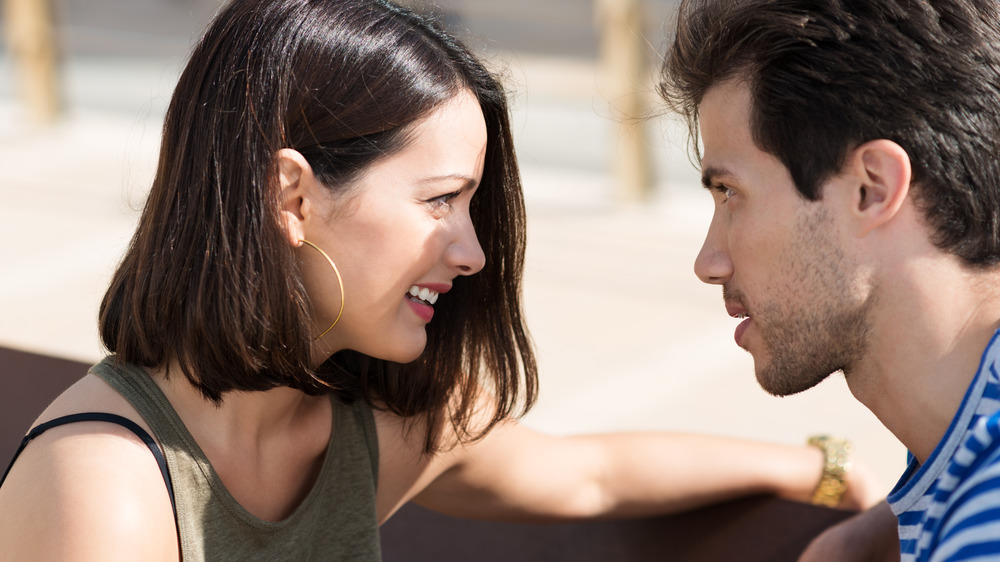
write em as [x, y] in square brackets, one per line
[710, 174]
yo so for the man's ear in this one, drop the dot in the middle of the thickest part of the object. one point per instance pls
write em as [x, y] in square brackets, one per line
[879, 178]
[295, 179]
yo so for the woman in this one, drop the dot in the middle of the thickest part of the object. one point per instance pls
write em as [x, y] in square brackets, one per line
[318, 320]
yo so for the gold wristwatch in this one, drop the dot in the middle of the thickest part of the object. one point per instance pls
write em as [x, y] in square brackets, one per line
[836, 465]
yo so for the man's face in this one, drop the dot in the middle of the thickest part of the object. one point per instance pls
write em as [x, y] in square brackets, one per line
[776, 255]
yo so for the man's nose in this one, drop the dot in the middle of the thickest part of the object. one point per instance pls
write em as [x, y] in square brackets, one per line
[713, 264]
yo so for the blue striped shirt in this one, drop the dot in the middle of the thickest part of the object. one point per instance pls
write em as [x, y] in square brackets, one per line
[949, 507]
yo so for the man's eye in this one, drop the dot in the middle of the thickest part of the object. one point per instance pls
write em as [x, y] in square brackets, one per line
[723, 191]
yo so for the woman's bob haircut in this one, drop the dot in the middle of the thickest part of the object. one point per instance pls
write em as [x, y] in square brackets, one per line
[209, 280]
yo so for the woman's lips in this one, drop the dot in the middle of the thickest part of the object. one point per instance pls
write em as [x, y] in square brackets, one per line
[422, 298]
[421, 308]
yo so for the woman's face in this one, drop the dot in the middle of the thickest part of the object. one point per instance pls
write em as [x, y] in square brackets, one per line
[400, 239]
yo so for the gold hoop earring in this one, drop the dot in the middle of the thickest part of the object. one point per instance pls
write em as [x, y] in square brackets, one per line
[340, 281]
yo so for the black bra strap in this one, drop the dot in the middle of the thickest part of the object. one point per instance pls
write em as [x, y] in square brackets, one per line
[102, 417]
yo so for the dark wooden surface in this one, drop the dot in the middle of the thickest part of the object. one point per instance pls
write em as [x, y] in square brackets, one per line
[760, 529]
[755, 529]
[28, 382]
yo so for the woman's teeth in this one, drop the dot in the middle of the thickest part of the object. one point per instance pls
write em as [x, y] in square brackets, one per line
[424, 294]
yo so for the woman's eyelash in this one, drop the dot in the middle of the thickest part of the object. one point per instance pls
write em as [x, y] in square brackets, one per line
[446, 198]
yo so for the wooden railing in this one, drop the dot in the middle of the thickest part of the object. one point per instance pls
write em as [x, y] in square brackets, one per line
[31, 40]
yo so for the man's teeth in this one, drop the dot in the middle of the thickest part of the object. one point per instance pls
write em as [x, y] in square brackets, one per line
[424, 294]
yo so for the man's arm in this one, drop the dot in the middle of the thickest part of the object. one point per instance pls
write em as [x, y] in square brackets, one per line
[870, 536]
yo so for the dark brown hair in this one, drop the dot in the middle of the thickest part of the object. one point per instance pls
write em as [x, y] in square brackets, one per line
[828, 75]
[208, 279]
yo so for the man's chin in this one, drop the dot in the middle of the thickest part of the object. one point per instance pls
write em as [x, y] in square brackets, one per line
[785, 383]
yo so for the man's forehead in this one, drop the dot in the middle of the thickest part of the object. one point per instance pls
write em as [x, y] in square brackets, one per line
[734, 93]
[724, 121]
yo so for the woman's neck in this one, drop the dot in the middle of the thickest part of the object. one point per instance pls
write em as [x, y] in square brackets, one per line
[267, 447]
[243, 419]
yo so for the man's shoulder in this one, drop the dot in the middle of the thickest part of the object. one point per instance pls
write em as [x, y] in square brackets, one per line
[982, 442]
[971, 514]
[978, 457]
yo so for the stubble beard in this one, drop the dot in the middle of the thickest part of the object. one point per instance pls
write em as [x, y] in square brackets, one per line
[807, 349]
[813, 326]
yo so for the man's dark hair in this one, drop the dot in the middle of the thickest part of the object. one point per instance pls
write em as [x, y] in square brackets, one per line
[209, 279]
[826, 76]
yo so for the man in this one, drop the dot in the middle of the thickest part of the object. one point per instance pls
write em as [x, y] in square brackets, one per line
[853, 151]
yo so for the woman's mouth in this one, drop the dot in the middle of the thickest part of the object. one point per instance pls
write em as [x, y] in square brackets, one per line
[424, 294]
[421, 301]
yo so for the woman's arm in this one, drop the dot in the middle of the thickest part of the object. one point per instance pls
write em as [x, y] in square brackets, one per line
[86, 491]
[516, 473]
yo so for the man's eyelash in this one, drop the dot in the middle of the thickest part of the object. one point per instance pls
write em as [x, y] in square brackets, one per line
[722, 189]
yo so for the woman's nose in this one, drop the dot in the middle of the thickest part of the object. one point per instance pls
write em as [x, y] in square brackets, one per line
[464, 253]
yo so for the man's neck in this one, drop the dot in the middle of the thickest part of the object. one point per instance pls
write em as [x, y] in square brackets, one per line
[931, 326]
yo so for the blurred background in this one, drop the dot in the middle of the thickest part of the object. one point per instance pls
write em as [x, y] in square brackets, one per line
[628, 338]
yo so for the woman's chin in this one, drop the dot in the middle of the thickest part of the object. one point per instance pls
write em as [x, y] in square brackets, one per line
[409, 357]
[402, 353]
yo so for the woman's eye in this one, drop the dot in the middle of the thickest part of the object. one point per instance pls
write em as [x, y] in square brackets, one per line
[444, 199]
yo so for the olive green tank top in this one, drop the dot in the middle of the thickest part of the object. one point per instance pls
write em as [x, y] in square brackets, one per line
[336, 521]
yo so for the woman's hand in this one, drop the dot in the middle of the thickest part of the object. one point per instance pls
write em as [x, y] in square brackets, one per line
[863, 489]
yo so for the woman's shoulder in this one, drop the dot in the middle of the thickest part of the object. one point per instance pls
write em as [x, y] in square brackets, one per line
[89, 394]
[87, 487]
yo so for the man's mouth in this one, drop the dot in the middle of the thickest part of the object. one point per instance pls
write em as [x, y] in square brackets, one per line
[736, 310]
[423, 294]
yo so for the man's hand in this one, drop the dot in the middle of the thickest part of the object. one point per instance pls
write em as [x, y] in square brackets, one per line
[870, 536]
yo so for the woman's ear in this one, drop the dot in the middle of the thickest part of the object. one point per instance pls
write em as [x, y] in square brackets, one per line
[295, 179]
[880, 176]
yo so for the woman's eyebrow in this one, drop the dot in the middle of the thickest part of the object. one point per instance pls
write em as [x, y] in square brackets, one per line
[467, 181]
